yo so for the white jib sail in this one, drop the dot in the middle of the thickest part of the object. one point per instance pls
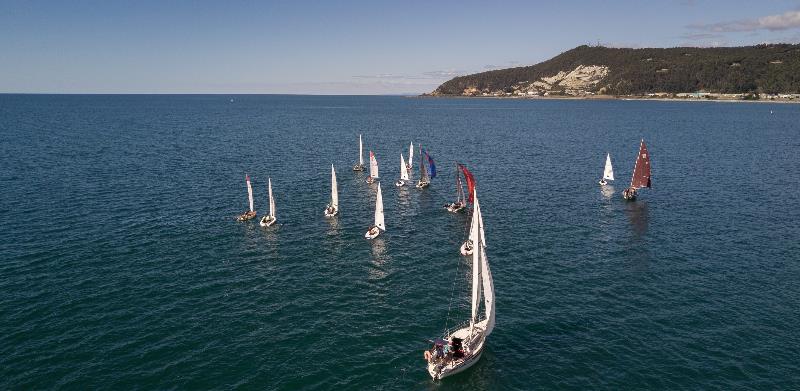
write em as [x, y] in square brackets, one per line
[410, 154]
[608, 173]
[271, 200]
[334, 190]
[373, 165]
[379, 210]
[360, 151]
[476, 265]
[250, 193]
[403, 168]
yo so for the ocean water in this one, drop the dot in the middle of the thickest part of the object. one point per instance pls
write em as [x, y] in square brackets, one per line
[122, 265]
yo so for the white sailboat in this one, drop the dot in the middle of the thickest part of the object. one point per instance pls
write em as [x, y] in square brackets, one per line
[608, 172]
[251, 212]
[333, 207]
[403, 172]
[427, 169]
[360, 165]
[379, 226]
[269, 219]
[461, 199]
[373, 168]
[467, 341]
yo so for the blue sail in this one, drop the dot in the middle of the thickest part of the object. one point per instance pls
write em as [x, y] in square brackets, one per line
[432, 166]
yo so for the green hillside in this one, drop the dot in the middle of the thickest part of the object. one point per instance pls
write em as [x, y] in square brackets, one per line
[770, 69]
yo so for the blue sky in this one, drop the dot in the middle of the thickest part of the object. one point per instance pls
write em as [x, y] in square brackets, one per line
[344, 47]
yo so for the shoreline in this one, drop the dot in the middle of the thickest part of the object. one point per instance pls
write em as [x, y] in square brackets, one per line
[616, 97]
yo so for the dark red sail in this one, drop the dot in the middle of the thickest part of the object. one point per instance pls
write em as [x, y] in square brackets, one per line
[470, 181]
[641, 171]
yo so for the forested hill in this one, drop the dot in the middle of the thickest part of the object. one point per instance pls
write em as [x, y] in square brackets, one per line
[771, 69]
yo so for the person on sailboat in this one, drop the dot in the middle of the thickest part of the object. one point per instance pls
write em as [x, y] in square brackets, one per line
[329, 210]
[374, 230]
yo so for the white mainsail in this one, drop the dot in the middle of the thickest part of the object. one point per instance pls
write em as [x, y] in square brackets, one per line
[608, 173]
[249, 192]
[481, 274]
[410, 155]
[486, 278]
[360, 151]
[373, 166]
[379, 210]
[334, 190]
[403, 168]
[271, 200]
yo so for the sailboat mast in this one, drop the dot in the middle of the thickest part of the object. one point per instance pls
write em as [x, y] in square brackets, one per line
[249, 191]
[410, 154]
[633, 175]
[271, 200]
[423, 174]
[360, 151]
[476, 266]
[459, 187]
[334, 189]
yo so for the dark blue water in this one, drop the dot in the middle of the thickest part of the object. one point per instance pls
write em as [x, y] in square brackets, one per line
[122, 266]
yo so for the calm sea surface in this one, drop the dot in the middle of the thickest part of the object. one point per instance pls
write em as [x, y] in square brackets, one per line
[122, 265]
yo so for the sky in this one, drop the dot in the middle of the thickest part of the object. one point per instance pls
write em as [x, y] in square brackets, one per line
[340, 47]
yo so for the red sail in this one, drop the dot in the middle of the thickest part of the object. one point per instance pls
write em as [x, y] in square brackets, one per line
[470, 181]
[641, 171]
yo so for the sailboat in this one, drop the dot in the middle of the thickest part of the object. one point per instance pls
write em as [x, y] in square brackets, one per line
[466, 341]
[373, 168]
[410, 156]
[461, 199]
[269, 219]
[608, 172]
[427, 171]
[360, 165]
[641, 174]
[251, 212]
[403, 172]
[333, 207]
[379, 226]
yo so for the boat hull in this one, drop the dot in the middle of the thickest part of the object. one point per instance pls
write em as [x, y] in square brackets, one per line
[400, 183]
[267, 221]
[371, 180]
[629, 194]
[372, 234]
[602, 182]
[439, 371]
[328, 213]
[454, 207]
[246, 216]
[466, 364]
[358, 167]
[422, 184]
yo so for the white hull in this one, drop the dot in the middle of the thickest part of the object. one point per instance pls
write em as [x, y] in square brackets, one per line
[422, 185]
[328, 213]
[439, 371]
[602, 182]
[400, 183]
[246, 216]
[464, 250]
[370, 235]
[371, 180]
[267, 221]
[454, 207]
[358, 167]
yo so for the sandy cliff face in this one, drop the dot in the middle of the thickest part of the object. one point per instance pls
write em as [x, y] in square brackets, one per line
[579, 81]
